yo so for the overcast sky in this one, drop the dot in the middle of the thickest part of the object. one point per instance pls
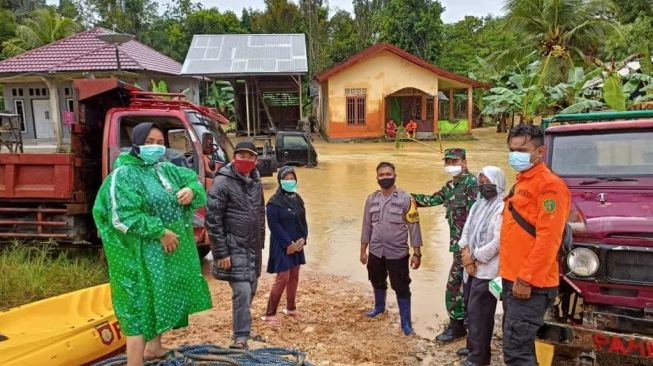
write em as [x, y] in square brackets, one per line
[455, 9]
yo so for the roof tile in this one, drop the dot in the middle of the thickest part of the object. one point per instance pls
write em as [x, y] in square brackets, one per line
[85, 52]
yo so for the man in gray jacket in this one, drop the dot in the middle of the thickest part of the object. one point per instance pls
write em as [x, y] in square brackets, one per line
[235, 221]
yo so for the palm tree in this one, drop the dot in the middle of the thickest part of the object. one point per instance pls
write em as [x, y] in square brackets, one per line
[44, 26]
[558, 33]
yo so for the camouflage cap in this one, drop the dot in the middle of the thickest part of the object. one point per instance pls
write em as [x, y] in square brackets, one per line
[454, 153]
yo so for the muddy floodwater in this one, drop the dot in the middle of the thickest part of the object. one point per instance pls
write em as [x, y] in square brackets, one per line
[335, 193]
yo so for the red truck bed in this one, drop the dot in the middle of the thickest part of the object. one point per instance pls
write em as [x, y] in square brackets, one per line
[42, 176]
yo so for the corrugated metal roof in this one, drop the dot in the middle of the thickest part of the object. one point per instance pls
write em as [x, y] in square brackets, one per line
[246, 54]
[85, 52]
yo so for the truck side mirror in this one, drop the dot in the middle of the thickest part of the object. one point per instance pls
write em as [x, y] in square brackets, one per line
[208, 147]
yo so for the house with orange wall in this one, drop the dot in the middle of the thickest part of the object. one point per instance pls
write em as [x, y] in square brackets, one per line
[358, 96]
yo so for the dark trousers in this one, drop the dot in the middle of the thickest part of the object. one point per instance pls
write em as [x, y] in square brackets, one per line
[453, 297]
[522, 320]
[378, 270]
[288, 281]
[480, 307]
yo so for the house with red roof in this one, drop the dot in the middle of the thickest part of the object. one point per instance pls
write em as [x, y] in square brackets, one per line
[381, 83]
[38, 83]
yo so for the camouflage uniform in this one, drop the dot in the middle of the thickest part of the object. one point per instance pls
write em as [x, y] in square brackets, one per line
[458, 199]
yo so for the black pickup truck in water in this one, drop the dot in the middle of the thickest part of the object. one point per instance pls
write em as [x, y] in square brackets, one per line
[289, 148]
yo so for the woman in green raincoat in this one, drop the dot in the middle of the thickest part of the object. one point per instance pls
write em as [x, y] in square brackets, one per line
[144, 213]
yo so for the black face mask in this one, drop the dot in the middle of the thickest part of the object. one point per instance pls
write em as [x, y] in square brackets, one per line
[488, 191]
[386, 183]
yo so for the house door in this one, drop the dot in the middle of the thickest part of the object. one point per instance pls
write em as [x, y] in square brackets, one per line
[42, 119]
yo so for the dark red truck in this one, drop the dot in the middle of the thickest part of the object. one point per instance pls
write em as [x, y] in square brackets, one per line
[50, 195]
[606, 290]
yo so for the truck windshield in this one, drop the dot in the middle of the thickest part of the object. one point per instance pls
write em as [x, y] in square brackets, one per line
[202, 124]
[610, 154]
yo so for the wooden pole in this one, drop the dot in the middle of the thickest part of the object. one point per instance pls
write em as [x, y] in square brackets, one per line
[301, 105]
[247, 105]
[470, 107]
[451, 103]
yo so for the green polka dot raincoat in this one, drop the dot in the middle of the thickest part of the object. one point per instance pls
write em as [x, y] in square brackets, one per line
[152, 291]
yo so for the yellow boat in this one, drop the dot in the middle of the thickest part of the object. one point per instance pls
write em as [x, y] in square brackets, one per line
[70, 329]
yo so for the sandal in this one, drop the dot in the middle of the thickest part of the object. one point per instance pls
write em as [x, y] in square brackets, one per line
[272, 321]
[239, 344]
[169, 355]
[294, 313]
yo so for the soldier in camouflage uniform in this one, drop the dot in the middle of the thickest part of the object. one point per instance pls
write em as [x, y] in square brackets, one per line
[457, 195]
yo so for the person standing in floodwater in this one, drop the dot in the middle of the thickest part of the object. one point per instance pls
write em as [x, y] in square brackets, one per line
[390, 215]
[458, 196]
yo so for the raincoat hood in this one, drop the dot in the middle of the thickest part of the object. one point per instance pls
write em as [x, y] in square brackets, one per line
[127, 158]
[496, 176]
[139, 135]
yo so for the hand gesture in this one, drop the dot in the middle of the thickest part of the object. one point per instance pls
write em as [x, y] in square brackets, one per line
[169, 240]
[415, 262]
[185, 196]
[363, 258]
[224, 263]
[521, 290]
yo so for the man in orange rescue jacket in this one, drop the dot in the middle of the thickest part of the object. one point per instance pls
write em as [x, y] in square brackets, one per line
[529, 264]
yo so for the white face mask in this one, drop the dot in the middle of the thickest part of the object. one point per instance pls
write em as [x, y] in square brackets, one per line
[453, 170]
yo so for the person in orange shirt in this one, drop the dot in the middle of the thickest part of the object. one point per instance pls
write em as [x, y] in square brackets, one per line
[411, 128]
[528, 264]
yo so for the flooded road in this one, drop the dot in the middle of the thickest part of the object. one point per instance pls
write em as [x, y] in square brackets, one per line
[335, 193]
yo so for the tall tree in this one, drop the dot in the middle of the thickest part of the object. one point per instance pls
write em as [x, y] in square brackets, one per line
[343, 37]
[7, 27]
[68, 9]
[315, 24]
[279, 16]
[414, 25]
[365, 14]
[128, 16]
[246, 20]
[559, 33]
[44, 26]
[22, 8]
[629, 10]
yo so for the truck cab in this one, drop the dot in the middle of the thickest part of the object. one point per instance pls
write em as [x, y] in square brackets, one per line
[606, 290]
[50, 195]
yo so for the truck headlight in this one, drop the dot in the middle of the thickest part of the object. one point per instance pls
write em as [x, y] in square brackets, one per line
[583, 262]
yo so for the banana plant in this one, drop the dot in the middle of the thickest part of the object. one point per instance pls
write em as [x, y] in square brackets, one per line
[221, 97]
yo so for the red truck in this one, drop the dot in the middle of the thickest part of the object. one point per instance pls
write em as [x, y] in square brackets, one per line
[50, 195]
[605, 304]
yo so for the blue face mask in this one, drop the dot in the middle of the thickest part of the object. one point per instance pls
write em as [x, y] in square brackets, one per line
[520, 161]
[151, 153]
[289, 185]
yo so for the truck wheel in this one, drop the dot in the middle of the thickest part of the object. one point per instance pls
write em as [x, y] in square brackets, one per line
[587, 359]
[203, 250]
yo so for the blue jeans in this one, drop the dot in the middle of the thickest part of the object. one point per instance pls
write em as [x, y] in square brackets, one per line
[242, 294]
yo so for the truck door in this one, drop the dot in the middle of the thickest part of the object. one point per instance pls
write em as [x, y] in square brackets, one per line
[294, 149]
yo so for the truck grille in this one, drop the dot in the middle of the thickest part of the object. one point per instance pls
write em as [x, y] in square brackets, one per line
[629, 266]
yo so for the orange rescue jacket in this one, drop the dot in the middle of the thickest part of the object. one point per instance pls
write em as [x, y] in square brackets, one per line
[544, 200]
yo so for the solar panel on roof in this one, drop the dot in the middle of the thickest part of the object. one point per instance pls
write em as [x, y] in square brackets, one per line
[242, 54]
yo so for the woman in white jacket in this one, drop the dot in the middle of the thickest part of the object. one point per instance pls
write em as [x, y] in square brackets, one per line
[480, 251]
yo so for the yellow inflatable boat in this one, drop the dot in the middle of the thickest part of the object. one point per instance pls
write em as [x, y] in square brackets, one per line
[71, 329]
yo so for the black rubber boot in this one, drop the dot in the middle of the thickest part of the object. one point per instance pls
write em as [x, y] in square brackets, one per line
[454, 331]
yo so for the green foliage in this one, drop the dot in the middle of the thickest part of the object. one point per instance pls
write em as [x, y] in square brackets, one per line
[343, 35]
[160, 87]
[559, 33]
[43, 26]
[414, 25]
[221, 97]
[32, 273]
[127, 16]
